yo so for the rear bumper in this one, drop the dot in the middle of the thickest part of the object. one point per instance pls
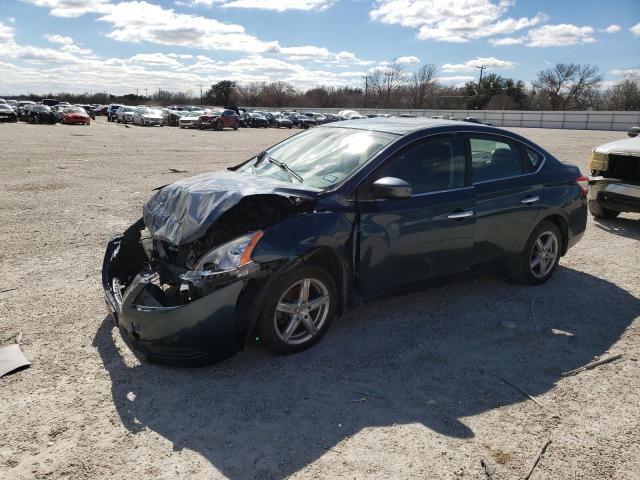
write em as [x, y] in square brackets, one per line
[196, 333]
[615, 194]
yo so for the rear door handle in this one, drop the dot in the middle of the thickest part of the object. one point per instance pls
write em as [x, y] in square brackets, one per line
[528, 200]
[459, 215]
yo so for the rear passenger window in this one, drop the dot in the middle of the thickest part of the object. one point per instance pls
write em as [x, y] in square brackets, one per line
[493, 159]
[534, 159]
[430, 166]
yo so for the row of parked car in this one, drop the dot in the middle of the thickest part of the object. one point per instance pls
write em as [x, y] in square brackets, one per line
[183, 116]
[217, 118]
[32, 112]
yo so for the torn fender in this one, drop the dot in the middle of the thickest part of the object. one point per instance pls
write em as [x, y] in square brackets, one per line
[183, 211]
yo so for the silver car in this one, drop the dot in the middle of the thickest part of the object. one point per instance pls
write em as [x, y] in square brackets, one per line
[190, 119]
[145, 116]
[125, 114]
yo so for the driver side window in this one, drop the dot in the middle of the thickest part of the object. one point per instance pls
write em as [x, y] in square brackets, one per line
[430, 165]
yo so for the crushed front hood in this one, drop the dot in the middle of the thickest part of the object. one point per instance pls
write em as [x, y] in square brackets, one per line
[183, 211]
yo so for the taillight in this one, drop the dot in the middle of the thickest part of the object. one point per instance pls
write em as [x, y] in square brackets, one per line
[583, 183]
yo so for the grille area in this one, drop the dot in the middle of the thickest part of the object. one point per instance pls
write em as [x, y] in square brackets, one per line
[624, 167]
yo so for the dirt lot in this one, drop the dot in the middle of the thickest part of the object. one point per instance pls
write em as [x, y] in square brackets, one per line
[402, 388]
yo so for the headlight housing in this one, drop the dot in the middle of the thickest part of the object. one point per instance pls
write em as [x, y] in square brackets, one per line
[233, 257]
[599, 161]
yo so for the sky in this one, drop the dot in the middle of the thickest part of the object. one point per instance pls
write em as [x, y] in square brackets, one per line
[123, 46]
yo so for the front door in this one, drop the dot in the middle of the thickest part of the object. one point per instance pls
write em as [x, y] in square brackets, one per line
[428, 235]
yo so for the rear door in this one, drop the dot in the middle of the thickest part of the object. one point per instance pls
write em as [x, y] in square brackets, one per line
[509, 197]
[228, 118]
[409, 240]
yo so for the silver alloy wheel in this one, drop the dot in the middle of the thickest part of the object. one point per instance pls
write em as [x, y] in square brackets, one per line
[302, 311]
[544, 254]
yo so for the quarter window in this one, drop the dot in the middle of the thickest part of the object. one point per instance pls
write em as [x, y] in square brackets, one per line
[493, 159]
[534, 159]
[430, 166]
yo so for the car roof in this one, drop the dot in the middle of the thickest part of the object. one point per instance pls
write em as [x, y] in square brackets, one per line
[398, 126]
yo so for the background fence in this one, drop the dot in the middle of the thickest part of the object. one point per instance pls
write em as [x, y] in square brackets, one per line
[577, 120]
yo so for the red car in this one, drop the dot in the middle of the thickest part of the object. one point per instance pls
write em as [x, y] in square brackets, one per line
[218, 119]
[75, 115]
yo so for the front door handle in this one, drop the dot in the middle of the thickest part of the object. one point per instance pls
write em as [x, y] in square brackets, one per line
[529, 200]
[459, 215]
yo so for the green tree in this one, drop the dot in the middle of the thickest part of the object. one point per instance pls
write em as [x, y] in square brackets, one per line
[495, 92]
[220, 93]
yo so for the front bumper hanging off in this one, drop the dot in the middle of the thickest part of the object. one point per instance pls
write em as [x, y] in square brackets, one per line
[194, 333]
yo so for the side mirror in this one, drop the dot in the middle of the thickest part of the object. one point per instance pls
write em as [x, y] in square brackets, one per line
[391, 187]
[633, 131]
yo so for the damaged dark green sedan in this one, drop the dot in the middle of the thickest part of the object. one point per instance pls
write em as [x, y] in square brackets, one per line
[276, 247]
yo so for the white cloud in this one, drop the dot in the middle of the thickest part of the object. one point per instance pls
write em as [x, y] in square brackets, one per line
[626, 72]
[456, 81]
[29, 68]
[155, 59]
[471, 65]
[507, 41]
[276, 5]
[73, 8]
[68, 44]
[59, 39]
[454, 21]
[611, 29]
[141, 21]
[560, 35]
[6, 33]
[346, 56]
[408, 60]
[305, 52]
[635, 29]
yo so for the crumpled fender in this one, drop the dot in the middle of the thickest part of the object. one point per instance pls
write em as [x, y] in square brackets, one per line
[292, 242]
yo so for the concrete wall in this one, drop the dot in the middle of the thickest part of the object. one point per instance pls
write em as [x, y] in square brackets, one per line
[619, 121]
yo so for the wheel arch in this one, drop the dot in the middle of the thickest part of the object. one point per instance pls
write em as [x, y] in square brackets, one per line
[251, 301]
[328, 259]
[563, 225]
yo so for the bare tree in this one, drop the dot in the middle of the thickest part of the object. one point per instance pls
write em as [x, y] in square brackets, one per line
[586, 80]
[249, 93]
[421, 84]
[383, 81]
[566, 83]
[625, 94]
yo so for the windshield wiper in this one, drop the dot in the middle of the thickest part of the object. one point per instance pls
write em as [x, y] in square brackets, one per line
[286, 168]
[258, 161]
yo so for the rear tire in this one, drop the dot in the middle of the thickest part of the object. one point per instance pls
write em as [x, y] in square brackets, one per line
[598, 211]
[286, 324]
[540, 256]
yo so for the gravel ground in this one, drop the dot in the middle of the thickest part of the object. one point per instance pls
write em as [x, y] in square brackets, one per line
[402, 388]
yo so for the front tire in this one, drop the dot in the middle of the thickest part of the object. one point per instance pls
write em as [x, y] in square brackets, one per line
[598, 211]
[540, 256]
[298, 310]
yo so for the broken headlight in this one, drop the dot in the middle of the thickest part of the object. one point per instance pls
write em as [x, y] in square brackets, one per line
[231, 257]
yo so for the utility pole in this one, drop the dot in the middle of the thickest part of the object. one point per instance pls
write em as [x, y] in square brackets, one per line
[200, 85]
[482, 69]
[146, 93]
[366, 89]
[137, 92]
